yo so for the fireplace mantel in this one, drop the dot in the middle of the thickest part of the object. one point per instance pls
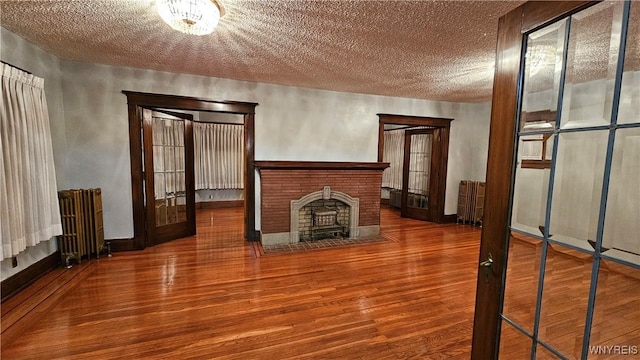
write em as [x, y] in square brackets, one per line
[283, 184]
[320, 165]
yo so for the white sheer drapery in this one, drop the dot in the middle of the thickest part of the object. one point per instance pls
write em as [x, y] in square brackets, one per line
[218, 156]
[29, 211]
[393, 154]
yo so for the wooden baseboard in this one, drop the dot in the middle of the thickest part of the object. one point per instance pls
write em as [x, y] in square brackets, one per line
[449, 218]
[219, 204]
[121, 244]
[14, 284]
[384, 202]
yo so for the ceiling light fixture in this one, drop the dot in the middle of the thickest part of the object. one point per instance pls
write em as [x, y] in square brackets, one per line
[195, 17]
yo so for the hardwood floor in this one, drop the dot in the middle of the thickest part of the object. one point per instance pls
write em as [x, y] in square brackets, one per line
[213, 295]
[216, 296]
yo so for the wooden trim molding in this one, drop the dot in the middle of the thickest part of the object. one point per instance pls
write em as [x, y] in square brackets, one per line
[413, 120]
[189, 103]
[320, 165]
[15, 283]
[250, 231]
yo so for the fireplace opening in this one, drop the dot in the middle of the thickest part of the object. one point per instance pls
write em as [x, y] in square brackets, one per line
[322, 219]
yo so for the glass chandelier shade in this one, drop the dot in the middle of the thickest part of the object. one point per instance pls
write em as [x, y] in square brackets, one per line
[195, 17]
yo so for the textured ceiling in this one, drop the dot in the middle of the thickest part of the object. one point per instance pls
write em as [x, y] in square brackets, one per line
[436, 50]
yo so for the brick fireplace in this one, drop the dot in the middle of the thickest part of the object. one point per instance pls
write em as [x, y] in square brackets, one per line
[291, 191]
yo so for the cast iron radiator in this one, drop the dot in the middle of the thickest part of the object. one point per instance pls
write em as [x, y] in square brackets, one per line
[82, 226]
[470, 202]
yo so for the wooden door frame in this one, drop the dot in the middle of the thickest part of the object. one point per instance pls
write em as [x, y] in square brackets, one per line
[136, 101]
[442, 129]
[512, 28]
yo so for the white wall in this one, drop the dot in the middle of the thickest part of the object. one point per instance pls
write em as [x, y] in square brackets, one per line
[474, 138]
[18, 52]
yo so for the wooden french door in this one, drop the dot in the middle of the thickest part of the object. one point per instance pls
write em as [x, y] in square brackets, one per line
[559, 266]
[419, 186]
[168, 175]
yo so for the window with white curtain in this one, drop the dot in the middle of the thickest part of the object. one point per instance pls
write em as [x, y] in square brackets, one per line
[393, 153]
[29, 211]
[218, 156]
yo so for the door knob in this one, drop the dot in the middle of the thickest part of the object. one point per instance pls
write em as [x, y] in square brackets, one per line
[488, 262]
[486, 265]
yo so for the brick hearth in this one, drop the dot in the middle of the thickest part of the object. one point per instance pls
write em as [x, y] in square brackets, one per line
[284, 181]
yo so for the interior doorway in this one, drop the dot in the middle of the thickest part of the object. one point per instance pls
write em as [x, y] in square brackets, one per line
[415, 181]
[143, 183]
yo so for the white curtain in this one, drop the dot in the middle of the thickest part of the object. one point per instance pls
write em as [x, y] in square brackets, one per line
[29, 211]
[218, 156]
[393, 154]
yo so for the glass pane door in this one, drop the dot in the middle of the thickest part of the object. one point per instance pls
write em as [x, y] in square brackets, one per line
[169, 153]
[417, 174]
[168, 163]
[572, 283]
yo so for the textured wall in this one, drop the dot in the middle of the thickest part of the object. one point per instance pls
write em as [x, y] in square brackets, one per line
[279, 187]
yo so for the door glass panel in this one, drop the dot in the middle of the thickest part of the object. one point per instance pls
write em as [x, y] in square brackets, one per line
[521, 287]
[616, 316]
[577, 187]
[532, 183]
[565, 295]
[169, 171]
[419, 168]
[629, 110]
[622, 226]
[542, 74]
[513, 343]
[594, 43]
